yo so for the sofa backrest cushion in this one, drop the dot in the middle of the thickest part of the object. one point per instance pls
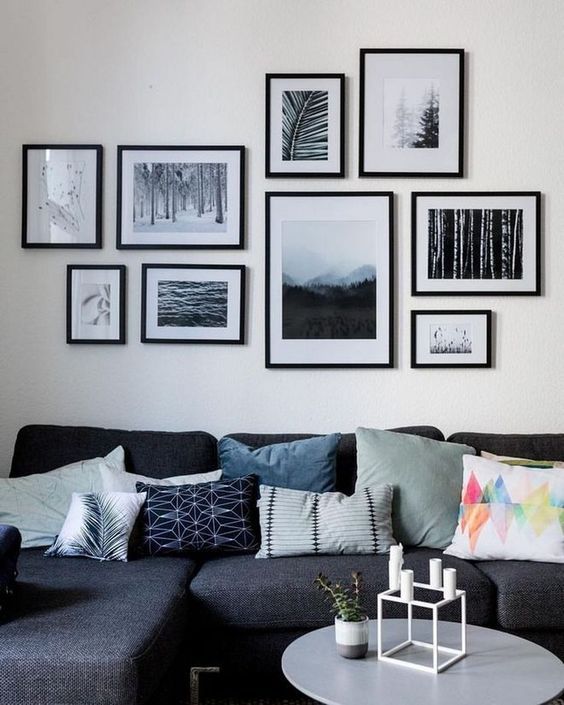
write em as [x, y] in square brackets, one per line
[40, 448]
[537, 446]
[346, 452]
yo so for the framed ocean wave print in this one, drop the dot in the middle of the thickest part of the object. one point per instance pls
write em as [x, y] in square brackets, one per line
[329, 279]
[451, 339]
[192, 303]
[472, 243]
[411, 112]
[180, 197]
[305, 125]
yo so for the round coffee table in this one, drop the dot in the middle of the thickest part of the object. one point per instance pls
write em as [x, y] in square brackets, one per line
[499, 668]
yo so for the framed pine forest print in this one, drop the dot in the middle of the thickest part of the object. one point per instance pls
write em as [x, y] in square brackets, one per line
[451, 339]
[472, 243]
[411, 112]
[180, 197]
[305, 125]
[329, 279]
[192, 303]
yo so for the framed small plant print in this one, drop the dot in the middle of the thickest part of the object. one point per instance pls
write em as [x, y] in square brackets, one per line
[329, 279]
[95, 303]
[192, 303]
[411, 112]
[305, 125]
[451, 338]
[469, 243]
[62, 196]
[180, 197]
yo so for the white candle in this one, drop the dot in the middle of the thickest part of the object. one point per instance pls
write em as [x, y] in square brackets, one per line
[394, 566]
[396, 552]
[406, 585]
[436, 573]
[449, 582]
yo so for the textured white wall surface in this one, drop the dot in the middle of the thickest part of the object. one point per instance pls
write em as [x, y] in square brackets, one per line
[192, 72]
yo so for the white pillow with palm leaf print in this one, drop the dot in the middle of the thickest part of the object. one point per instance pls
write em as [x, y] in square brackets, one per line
[98, 525]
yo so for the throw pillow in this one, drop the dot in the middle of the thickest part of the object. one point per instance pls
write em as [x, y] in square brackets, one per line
[98, 525]
[299, 465]
[427, 479]
[524, 462]
[510, 513]
[295, 523]
[127, 481]
[38, 504]
[213, 516]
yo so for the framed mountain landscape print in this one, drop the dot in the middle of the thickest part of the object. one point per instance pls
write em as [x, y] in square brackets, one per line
[469, 243]
[305, 124]
[96, 303]
[62, 196]
[192, 303]
[451, 339]
[411, 112]
[329, 279]
[180, 197]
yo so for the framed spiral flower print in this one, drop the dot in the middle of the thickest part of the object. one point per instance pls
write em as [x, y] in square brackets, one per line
[305, 125]
[96, 303]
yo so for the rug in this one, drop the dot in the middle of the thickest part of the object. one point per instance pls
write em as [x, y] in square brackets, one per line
[285, 701]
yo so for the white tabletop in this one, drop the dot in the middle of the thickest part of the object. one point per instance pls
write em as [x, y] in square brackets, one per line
[499, 669]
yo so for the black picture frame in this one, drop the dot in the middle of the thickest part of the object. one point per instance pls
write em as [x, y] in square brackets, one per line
[455, 156]
[239, 325]
[451, 362]
[95, 242]
[339, 147]
[529, 284]
[120, 309]
[236, 237]
[388, 291]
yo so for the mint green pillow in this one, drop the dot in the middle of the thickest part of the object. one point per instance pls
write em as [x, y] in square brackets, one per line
[427, 479]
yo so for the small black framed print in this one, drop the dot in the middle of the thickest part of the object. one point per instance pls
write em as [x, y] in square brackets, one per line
[62, 196]
[192, 303]
[451, 338]
[411, 112]
[305, 125]
[329, 279]
[96, 303]
[180, 197]
[476, 243]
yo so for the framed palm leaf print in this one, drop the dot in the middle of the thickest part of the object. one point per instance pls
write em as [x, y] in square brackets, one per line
[305, 131]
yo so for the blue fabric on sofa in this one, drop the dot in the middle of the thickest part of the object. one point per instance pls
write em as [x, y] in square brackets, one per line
[10, 544]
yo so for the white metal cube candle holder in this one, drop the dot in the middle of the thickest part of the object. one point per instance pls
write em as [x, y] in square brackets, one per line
[454, 655]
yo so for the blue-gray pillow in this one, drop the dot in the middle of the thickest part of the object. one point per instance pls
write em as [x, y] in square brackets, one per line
[299, 465]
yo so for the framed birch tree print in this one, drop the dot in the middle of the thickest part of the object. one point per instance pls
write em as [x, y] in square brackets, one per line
[469, 243]
[180, 197]
[411, 112]
[305, 124]
[329, 279]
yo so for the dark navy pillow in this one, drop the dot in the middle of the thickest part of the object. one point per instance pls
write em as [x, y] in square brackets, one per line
[210, 516]
[299, 465]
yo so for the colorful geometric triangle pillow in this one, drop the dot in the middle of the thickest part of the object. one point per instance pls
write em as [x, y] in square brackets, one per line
[510, 513]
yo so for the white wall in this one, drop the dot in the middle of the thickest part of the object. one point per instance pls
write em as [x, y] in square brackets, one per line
[192, 72]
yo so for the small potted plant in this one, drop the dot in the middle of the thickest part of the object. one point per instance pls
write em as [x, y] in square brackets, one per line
[351, 622]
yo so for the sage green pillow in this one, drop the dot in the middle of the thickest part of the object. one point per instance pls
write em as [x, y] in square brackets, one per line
[427, 479]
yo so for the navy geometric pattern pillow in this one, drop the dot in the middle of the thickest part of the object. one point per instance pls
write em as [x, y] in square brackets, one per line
[211, 516]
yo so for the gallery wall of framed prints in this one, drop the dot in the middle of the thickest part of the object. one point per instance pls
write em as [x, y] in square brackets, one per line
[329, 255]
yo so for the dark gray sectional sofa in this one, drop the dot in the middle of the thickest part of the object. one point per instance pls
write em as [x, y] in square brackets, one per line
[90, 633]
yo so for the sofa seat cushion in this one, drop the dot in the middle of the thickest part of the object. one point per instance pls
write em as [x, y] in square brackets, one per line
[246, 593]
[92, 633]
[529, 595]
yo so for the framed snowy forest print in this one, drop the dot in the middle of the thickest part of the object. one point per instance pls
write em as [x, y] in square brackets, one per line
[329, 279]
[180, 197]
[468, 243]
[62, 196]
[451, 338]
[411, 112]
[305, 125]
[96, 303]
